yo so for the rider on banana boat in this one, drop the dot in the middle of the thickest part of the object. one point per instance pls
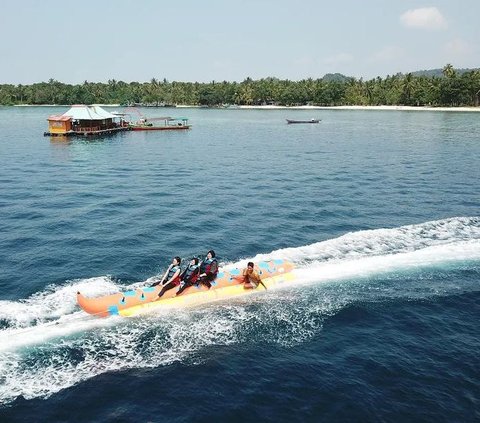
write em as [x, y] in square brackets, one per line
[251, 278]
[207, 272]
[208, 269]
[171, 278]
[189, 276]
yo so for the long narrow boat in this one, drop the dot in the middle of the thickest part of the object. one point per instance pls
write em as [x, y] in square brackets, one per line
[167, 124]
[142, 300]
[303, 121]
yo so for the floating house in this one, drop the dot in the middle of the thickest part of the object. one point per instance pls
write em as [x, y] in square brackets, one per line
[85, 120]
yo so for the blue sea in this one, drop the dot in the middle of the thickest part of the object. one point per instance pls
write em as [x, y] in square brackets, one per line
[379, 211]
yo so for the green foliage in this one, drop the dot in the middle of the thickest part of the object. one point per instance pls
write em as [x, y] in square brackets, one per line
[443, 87]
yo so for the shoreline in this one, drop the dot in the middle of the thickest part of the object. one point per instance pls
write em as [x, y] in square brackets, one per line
[60, 105]
[386, 108]
[271, 107]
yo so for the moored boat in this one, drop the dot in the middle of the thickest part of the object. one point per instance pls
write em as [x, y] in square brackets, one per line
[165, 124]
[131, 303]
[302, 121]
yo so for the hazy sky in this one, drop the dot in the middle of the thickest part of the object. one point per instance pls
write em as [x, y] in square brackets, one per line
[205, 40]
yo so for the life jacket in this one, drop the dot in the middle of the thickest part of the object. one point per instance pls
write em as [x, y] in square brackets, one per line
[190, 274]
[207, 265]
[171, 272]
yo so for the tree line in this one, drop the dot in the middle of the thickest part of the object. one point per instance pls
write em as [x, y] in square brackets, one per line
[453, 88]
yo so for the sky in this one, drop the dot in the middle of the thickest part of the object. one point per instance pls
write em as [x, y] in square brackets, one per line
[215, 40]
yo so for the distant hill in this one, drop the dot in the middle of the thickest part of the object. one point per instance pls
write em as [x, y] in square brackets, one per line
[337, 77]
[439, 72]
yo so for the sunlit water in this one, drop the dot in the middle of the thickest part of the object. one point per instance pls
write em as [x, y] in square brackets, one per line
[379, 211]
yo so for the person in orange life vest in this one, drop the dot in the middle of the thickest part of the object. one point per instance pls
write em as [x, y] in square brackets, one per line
[189, 276]
[250, 277]
[171, 278]
[208, 269]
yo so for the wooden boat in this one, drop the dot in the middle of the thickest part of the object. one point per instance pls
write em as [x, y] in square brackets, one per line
[303, 121]
[142, 300]
[166, 123]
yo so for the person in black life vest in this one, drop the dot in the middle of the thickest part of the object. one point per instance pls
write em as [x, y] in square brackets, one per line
[208, 269]
[171, 278]
[189, 276]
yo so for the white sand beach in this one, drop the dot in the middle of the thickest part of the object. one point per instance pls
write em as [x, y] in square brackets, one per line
[306, 107]
[396, 108]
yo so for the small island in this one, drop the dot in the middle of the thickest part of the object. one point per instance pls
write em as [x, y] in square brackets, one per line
[447, 87]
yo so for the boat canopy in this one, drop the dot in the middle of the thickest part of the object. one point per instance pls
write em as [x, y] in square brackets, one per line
[160, 118]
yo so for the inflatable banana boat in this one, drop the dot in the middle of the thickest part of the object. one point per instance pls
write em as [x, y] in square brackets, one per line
[226, 285]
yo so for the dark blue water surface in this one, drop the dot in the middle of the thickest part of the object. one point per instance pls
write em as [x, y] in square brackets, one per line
[379, 211]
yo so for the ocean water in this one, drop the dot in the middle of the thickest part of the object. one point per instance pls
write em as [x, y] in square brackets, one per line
[379, 211]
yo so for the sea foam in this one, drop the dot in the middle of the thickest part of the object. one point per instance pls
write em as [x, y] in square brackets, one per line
[48, 344]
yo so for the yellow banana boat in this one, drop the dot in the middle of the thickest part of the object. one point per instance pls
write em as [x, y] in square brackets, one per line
[131, 303]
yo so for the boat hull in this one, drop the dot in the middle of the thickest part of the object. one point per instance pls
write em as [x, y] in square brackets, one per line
[159, 128]
[142, 300]
[292, 121]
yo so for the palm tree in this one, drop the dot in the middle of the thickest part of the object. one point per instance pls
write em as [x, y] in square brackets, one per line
[408, 86]
[449, 71]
